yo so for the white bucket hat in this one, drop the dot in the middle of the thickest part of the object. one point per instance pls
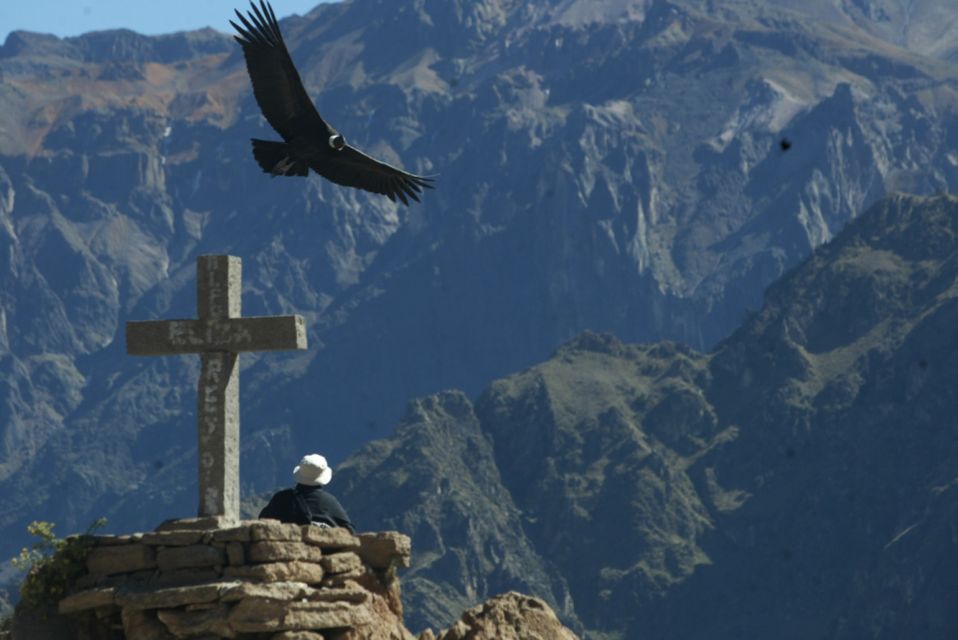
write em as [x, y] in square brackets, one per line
[312, 470]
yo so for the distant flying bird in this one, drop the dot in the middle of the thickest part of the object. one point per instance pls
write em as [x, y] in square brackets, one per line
[309, 142]
[785, 144]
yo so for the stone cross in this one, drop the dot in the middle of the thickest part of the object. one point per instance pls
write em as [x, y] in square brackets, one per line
[218, 335]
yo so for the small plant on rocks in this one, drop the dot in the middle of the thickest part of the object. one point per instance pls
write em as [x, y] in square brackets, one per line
[53, 563]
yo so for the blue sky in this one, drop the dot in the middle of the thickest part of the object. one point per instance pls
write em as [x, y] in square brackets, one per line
[73, 17]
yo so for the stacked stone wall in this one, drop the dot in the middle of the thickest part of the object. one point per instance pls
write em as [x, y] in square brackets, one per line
[261, 580]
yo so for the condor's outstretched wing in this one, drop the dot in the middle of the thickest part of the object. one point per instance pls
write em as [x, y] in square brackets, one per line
[276, 83]
[351, 167]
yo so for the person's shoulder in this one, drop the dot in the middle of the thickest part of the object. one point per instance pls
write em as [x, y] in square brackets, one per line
[330, 499]
[281, 494]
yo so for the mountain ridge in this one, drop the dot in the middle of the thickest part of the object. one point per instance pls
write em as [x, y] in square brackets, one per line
[780, 485]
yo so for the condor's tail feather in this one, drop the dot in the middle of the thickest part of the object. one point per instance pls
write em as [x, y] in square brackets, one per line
[275, 159]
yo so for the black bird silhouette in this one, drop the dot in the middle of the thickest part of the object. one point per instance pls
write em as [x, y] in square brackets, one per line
[785, 144]
[308, 141]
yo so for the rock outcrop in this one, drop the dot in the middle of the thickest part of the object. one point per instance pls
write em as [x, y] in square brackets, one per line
[511, 616]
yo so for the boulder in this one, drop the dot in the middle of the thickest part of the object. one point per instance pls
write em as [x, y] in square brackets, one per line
[510, 616]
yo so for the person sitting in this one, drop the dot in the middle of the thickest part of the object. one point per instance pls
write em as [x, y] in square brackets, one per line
[308, 502]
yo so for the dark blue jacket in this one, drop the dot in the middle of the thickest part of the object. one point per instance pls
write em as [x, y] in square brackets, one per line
[322, 506]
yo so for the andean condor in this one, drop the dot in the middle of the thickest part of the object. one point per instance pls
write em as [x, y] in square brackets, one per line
[308, 141]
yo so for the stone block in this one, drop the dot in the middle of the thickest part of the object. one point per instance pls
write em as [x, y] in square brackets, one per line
[206, 523]
[173, 538]
[341, 581]
[170, 597]
[143, 625]
[297, 635]
[186, 577]
[330, 538]
[386, 549]
[235, 553]
[120, 559]
[106, 613]
[83, 600]
[285, 591]
[272, 551]
[325, 615]
[294, 571]
[275, 530]
[345, 562]
[350, 592]
[197, 622]
[233, 534]
[113, 541]
[91, 580]
[256, 615]
[88, 581]
[193, 556]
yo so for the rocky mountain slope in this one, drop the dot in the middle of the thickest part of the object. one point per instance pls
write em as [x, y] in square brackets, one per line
[604, 164]
[799, 481]
[927, 27]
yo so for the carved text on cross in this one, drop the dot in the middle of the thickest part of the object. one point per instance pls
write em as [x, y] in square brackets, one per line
[219, 334]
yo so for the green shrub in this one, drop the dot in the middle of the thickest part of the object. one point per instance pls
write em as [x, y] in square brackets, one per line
[52, 563]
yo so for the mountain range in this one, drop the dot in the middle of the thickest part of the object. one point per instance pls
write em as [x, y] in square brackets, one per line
[798, 481]
[610, 166]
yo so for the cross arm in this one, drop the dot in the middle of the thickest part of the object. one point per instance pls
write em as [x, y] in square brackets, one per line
[171, 337]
